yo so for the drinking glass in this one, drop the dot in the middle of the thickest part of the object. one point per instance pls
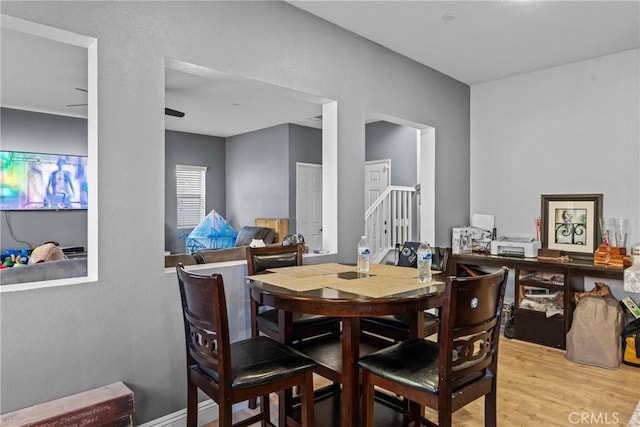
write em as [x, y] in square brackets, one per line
[606, 227]
[621, 226]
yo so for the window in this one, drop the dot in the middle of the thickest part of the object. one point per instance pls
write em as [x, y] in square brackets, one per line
[190, 195]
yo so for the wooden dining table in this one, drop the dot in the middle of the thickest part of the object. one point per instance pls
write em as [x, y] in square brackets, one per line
[337, 290]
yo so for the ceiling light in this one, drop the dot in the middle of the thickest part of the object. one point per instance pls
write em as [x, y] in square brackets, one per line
[448, 17]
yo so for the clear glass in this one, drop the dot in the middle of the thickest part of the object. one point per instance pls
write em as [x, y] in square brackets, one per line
[621, 227]
[606, 229]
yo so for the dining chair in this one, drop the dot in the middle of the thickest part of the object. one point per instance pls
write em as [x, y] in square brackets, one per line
[265, 319]
[396, 327]
[460, 368]
[234, 372]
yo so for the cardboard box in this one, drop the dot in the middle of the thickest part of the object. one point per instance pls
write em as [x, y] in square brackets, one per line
[111, 405]
[279, 225]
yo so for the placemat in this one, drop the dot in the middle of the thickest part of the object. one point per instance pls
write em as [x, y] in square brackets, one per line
[313, 270]
[298, 284]
[395, 271]
[379, 286]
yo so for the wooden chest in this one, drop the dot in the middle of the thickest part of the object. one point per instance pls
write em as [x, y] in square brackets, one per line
[111, 406]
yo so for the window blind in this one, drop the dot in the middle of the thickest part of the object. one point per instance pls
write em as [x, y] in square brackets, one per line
[190, 195]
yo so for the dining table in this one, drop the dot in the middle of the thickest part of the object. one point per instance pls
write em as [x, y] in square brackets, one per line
[338, 290]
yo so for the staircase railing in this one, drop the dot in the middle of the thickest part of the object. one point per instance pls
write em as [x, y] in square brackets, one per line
[389, 220]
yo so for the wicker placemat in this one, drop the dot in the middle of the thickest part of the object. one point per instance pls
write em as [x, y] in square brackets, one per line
[380, 286]
[396, 271]
[313, 270]
[298, 284]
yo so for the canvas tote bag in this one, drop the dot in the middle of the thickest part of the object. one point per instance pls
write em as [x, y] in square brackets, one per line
[594, 338]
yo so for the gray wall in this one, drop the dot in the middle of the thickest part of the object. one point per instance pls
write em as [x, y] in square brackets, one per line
[386, 140]
[195, 150]
[251, 195]
[305, 146]
[564, 130]
[257, 178]
[42, 133]
[127, 326]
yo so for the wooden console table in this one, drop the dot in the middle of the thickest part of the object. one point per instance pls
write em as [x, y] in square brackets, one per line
[557, 278]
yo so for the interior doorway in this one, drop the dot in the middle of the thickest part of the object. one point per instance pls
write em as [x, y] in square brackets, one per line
[377, 176]
[413, 165]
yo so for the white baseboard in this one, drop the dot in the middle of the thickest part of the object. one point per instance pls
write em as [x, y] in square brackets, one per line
[207, 412]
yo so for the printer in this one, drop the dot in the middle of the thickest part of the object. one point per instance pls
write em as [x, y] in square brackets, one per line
[516, 247]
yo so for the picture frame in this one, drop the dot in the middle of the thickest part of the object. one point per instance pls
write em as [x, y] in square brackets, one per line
[570, 223]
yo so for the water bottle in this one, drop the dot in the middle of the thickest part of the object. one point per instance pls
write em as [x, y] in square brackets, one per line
[364, 255]
[424, 262]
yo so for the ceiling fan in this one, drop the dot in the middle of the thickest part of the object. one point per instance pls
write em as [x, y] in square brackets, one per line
[175, 113]
[78, 105]
[167, 111]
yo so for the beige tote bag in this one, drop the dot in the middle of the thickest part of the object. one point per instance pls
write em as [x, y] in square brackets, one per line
[594, 338]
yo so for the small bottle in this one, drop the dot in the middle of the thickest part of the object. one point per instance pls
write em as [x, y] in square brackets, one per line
[424, 262]
[364, 255]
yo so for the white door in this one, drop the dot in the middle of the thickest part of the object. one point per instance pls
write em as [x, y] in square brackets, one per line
[309, 204]
[376, 179]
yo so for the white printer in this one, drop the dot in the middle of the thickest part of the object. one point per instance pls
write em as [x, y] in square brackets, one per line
[516, 246]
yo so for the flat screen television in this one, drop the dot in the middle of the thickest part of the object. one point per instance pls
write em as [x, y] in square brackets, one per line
[39, 181]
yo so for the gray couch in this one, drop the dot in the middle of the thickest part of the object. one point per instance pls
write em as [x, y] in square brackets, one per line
[51, 270]
[238, 252]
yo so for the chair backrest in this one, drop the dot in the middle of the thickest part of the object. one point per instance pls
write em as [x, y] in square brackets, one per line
[439, 260]
[206, 325]
[261, 259]
[471, 313]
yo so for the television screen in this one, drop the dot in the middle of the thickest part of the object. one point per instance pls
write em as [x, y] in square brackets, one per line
[38, 181]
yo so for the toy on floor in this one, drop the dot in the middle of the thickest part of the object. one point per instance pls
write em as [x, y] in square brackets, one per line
[14, 258]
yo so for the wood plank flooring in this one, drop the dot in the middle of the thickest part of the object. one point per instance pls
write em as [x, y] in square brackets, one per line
[538, 386]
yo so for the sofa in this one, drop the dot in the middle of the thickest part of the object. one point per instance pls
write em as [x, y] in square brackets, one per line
[50, 270]
[236, 253]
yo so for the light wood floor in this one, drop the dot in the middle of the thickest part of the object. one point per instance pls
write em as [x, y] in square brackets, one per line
[538, 386]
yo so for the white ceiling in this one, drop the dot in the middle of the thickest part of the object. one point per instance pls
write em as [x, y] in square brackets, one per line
[223, 105]
[485, 40]
[41, 75]
[480, 41]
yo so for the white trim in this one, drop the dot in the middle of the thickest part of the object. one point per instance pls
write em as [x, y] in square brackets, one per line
[330, 177]
[207, 413]
[91, 44]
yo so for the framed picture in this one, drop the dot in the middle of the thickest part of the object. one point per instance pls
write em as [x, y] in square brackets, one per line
[570, 223]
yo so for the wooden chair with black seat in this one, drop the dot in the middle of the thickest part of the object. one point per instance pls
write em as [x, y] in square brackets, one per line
[270, 321]
[396, 327]
[234, 372]
[459, 369]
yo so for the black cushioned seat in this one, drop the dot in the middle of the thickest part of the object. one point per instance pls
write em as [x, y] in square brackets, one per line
[259, 360]
[269, 319]
[414, 364]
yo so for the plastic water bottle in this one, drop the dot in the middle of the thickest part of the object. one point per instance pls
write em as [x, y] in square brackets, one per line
[424, 262]
[364, 255]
